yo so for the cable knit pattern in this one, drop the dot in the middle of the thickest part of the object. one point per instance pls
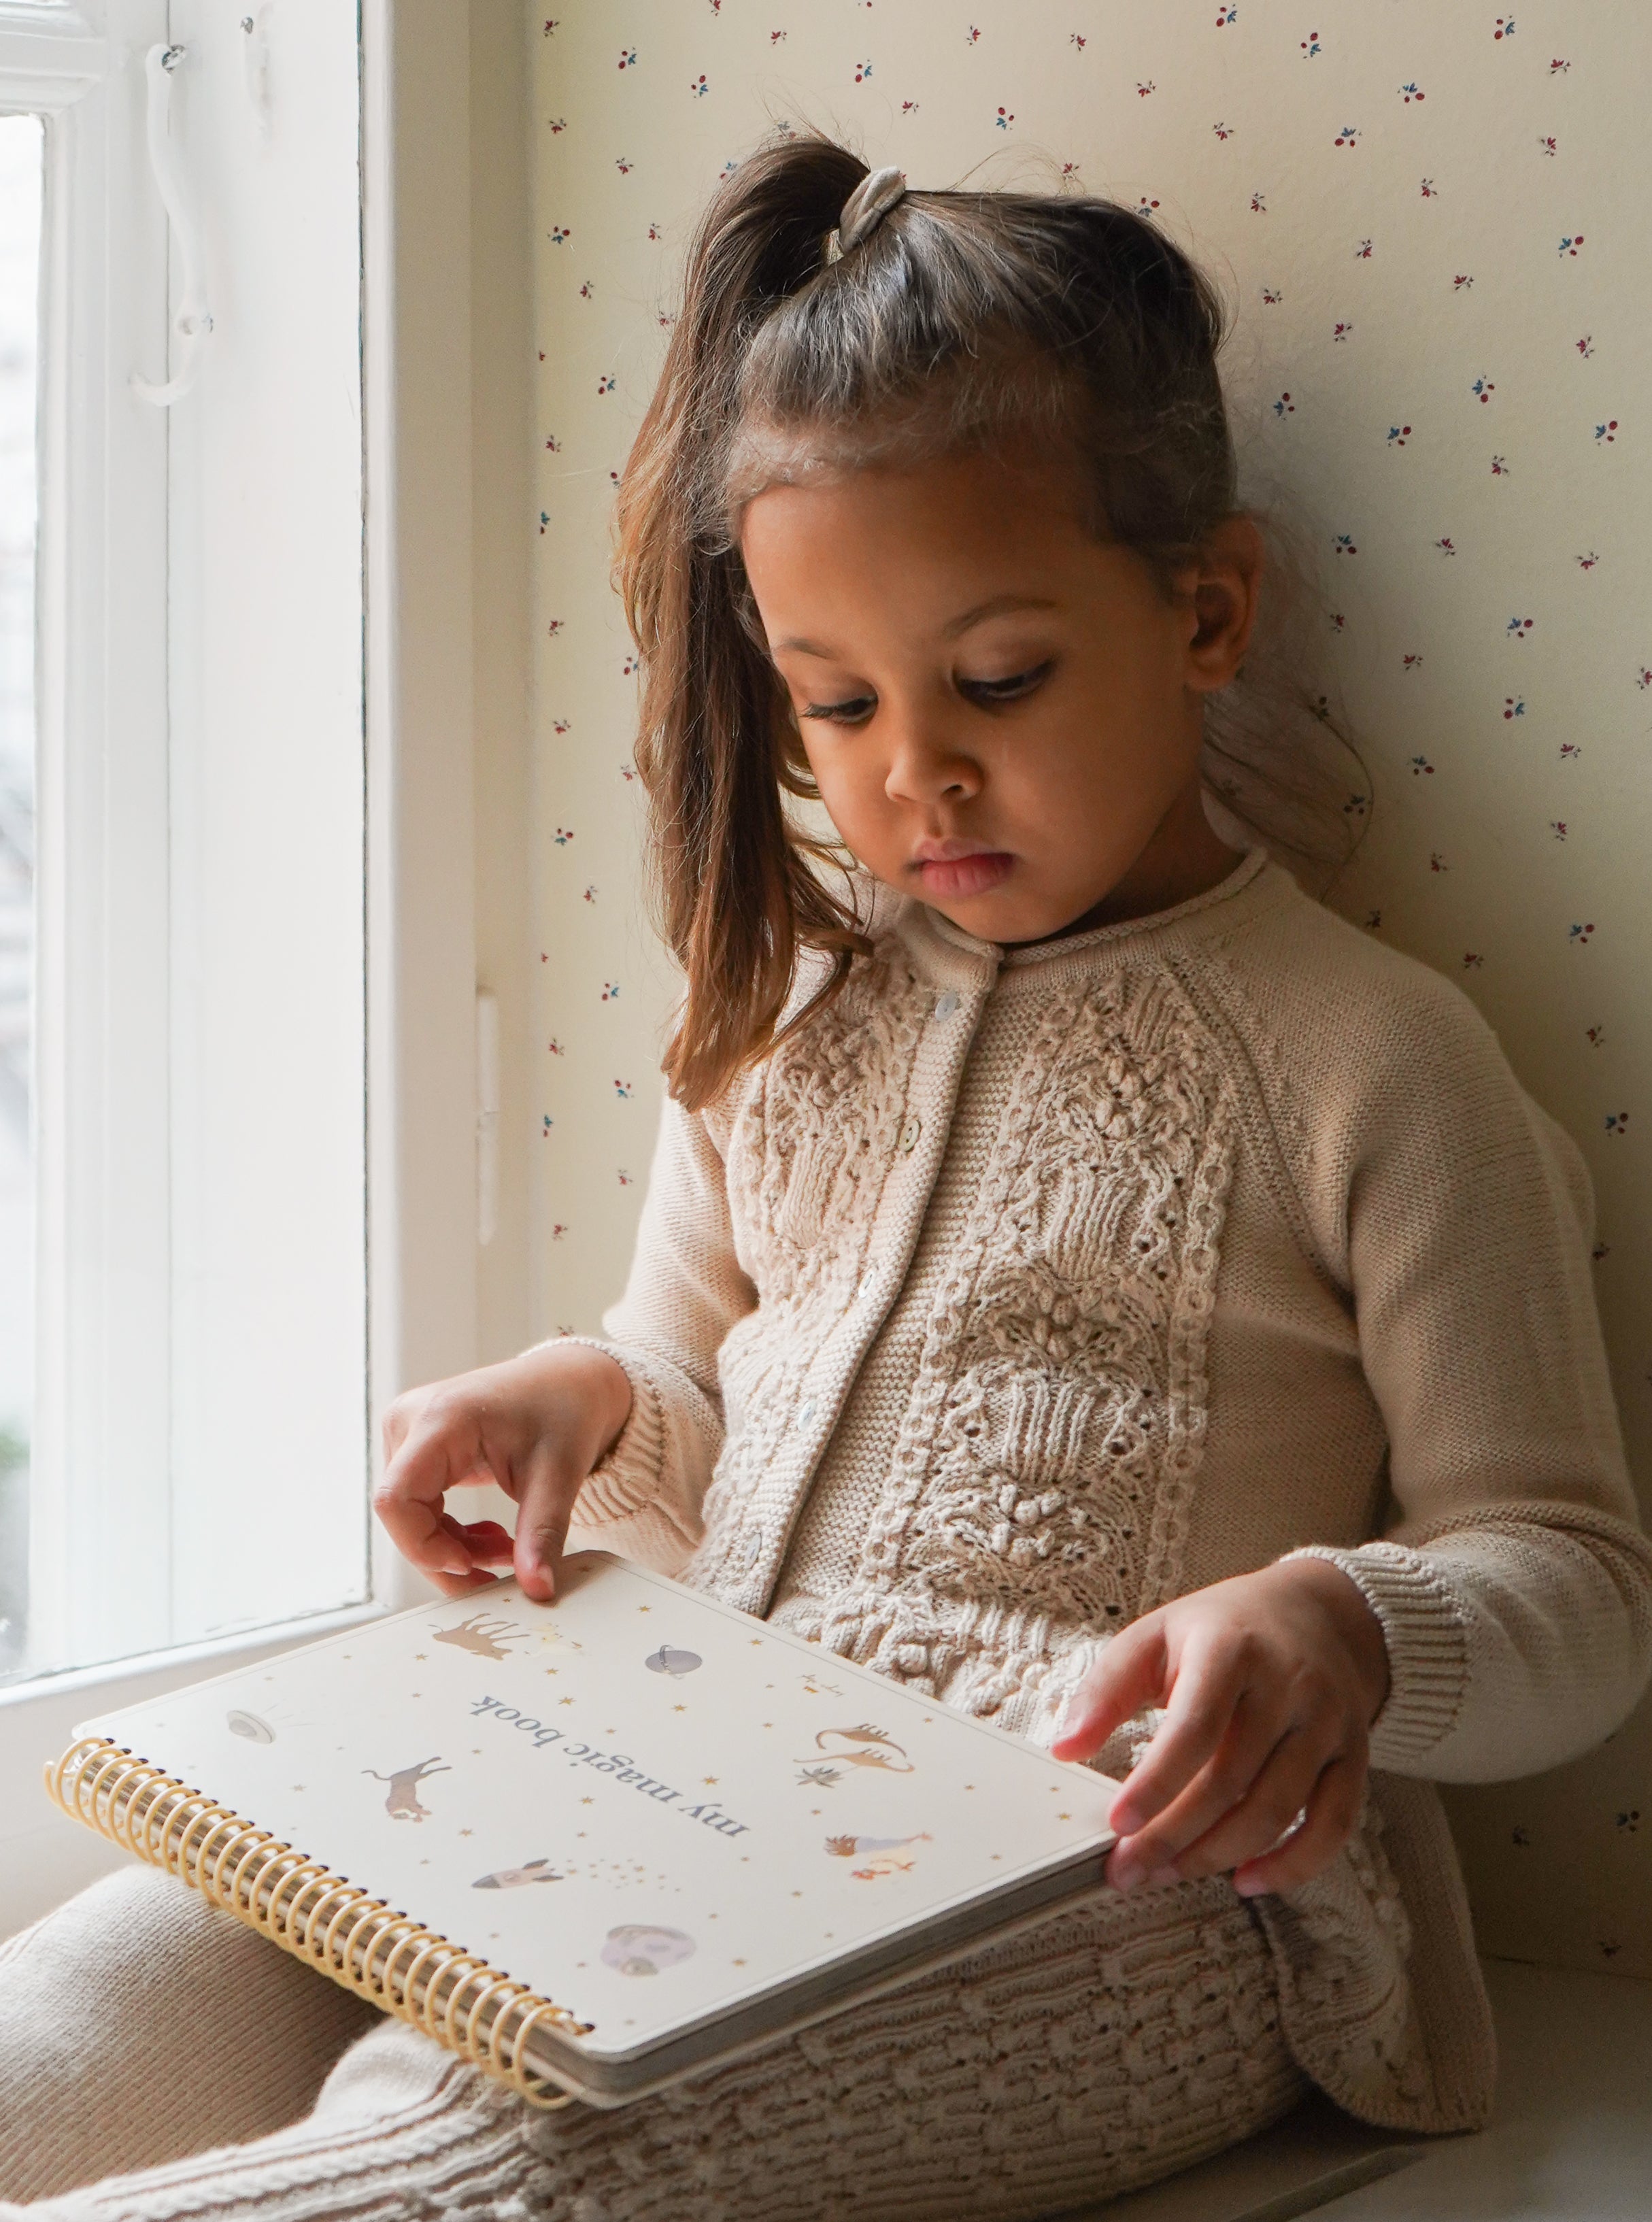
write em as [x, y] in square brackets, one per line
[1040, 1285]
[1137, 2037]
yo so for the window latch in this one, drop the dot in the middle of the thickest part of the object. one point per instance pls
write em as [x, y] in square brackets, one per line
[193, 320]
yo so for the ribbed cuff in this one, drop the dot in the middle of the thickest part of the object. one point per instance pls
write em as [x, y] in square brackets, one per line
[1428, 1648]
[627, 1475]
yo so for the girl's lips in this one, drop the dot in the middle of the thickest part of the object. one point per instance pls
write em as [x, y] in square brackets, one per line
[966, 875]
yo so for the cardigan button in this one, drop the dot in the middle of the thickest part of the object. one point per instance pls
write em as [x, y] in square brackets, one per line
[751, 1552]
[909, 1134]
[946, 1004]
[806, 1412]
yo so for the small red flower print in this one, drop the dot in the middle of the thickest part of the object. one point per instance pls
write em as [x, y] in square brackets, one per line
[1340, 331]
[604, 385]
[1596, 1037]
[1362, 252]
[1546, 146]
[1570, 750]
[1608, 430]
[1144, 90]
[1586, 346]
[1514, 706]
[1259, 204]
[698, 87]
[1517, 628]
[1571, 242]
[1419, 765]
[562, 835]
[556, 626]
[1338, 622]
[1587, 562]
[623, 165]
[1398, 434]
[1225, 16]
[1558, 68]
[1077, 39]
[1437, 863]
[1557, 827]
[622, 1089]
[1310, 45]
[1505, 28]
[1482, 389]
[1411, 662]
[560, 235]
[1222, 130]
[625, 1177]
[1003, 119]
[862, 71]
[1462, 282]
[558, 123]
[552, 1045]
[1272, 296]
[1373, 921]
[1617, 1121]
[1411, 93]
[610, 991]
[550, 1123]
[972, 36]
[1430, 191]
[1348, 137]
[628, 58]
[591, 893]
[1284, 406]
[909, 107]
[1472, 960]
[1446, 546]
[1500, 467]
[1342, 545]
[1146, 207]
[553, 23]
[1578, 934]
[1356, 805]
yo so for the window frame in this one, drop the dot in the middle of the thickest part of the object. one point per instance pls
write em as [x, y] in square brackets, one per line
[420, 1097]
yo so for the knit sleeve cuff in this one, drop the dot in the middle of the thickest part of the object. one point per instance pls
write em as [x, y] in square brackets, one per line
[1427, 1649]
[626, 1477]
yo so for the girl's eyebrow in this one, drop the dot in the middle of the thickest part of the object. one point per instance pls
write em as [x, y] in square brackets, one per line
[997, 606]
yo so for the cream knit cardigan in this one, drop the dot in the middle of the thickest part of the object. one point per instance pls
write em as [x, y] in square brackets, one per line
[1027, 1289]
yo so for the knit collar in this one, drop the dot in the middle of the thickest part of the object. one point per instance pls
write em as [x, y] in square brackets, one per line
[1253, 861]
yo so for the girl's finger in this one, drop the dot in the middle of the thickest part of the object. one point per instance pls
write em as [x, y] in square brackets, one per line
[1207, 1687]
[1333, 1815]
[1129, 1674]
[546, 1507]
[409, 1501]
[1270, 1806]
[1248, 1743]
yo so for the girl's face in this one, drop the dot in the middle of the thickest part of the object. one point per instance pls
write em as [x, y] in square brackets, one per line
[1003, 714]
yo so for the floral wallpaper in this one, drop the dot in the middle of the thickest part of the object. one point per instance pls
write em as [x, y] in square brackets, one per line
[1419, 216]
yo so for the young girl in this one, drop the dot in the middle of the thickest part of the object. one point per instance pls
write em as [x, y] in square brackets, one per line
[1080, 1278]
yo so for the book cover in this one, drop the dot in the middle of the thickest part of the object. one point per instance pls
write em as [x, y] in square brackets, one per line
[680, 1824]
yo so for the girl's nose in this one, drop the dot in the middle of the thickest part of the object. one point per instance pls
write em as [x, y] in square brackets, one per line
[927, 762]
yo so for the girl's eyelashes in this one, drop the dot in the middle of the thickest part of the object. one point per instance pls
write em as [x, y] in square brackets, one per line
[1007, 690]
[856, 710]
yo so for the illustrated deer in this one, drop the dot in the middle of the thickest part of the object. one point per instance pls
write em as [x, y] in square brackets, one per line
[485, 1634]
[402, 1804]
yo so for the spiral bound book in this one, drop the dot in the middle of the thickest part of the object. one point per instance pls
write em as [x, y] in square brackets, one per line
[596, 1844]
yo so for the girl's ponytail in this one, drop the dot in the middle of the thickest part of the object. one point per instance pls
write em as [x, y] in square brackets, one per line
[733, 884]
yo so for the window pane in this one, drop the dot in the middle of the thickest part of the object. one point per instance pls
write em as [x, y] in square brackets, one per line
[21, 141]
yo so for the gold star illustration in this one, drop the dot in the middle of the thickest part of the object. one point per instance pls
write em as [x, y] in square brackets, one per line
[796, 1893]
[679, 1709]
[588, 1801]
[644, 1608]
[1064, 1817]
[739, 1964]
[420, 1655]
[710, 1781]
[553, 1670]
[568, 1701]
[467, 1832]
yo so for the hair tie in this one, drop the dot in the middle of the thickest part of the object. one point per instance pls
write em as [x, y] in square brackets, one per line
[864, 209]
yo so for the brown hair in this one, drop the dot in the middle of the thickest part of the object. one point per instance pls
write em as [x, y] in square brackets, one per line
[965, 319]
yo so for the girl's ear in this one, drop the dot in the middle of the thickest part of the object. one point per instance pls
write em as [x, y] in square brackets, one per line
[1226, 583]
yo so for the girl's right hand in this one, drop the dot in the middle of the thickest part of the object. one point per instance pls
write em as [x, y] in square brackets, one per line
[535, 1425]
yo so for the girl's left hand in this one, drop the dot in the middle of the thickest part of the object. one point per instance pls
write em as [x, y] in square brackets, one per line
[1270, 1682]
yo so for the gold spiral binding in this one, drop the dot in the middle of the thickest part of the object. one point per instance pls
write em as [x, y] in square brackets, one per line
[451, 1995]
